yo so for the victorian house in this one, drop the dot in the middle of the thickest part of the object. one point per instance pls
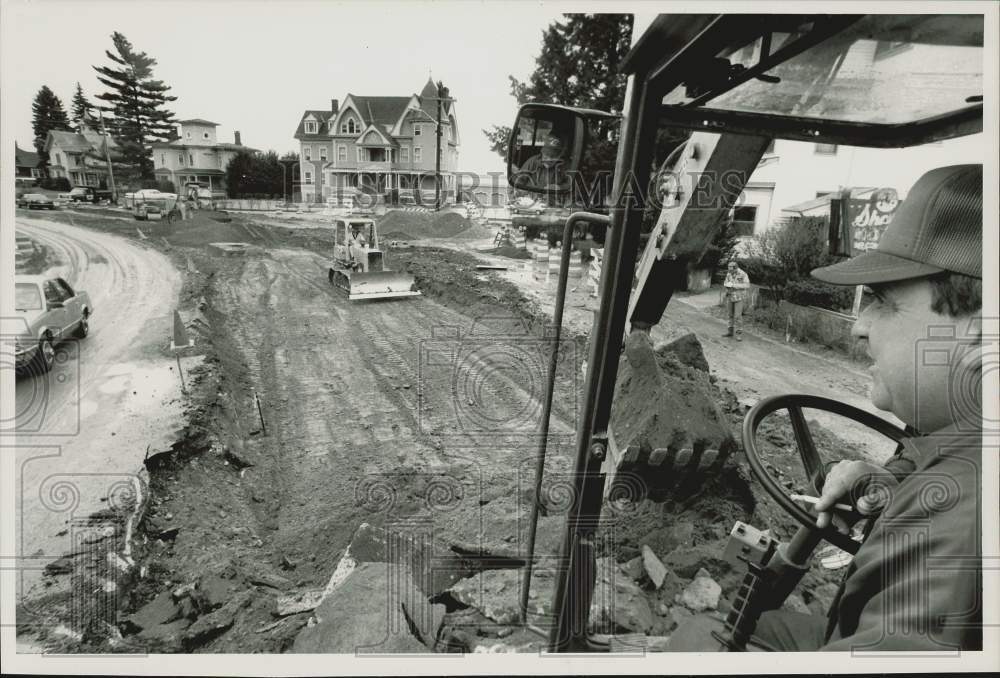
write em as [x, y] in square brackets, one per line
[378, 144]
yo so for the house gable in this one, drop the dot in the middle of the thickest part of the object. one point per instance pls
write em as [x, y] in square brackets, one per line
[349, 104]
[373, 136]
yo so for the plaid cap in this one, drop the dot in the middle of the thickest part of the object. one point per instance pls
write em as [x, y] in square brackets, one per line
[939, 227]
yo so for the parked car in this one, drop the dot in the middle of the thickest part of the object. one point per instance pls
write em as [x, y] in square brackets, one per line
[89, 194]
[52, 311]
[36, 201]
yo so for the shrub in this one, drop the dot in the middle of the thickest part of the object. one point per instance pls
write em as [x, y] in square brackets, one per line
[783, 258]
[811, 292]
[165, 186]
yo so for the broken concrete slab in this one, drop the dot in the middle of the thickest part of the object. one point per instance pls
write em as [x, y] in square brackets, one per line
[618, 603]
[294, 603]
[270, 580]
[209, 626]
[500, 530]
[160, 610]
[634, 568]
[497, 593]
[425, 618]
[702, 593]
[434, 565]
[362, 615]
[214, 591]
[654, 568]
[166, 637]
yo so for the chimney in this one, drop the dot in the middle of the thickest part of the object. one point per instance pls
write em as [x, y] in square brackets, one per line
[334, 105]
[236, 136]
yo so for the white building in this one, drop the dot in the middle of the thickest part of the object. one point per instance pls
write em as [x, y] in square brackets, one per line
[793, 174]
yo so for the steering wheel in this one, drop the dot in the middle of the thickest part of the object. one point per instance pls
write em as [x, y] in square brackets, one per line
[814, 467]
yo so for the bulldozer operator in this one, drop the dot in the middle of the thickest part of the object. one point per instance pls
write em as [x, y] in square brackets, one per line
[357, 245]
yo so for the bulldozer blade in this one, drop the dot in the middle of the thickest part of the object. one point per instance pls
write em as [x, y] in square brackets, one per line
[381, 285]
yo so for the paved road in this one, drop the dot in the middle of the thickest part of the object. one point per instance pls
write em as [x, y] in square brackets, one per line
[82, 430]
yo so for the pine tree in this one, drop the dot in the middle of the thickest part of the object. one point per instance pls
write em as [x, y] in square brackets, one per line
[137, 100]
[82, 108]
[47, 114]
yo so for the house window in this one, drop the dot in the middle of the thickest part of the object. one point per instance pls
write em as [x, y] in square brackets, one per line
[58, 159]
[309, 177]
[163, 158]
[417, 154]
[188, 135]
[348, 127]
[190, 158]
[204, 135]
[322, 153]
[307, 152]
[310, 127]
[825, 149]
[744, 219]
[342, 153]
[416, 129]
[404, 154]
[182, 159]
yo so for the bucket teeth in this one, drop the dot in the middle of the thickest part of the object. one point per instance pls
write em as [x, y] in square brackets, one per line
[665, 470]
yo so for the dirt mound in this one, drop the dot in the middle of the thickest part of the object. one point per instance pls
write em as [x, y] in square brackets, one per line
[396, 235]
[508, 251]
[424, 225]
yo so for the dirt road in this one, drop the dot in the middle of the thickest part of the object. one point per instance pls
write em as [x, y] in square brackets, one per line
[82, 430]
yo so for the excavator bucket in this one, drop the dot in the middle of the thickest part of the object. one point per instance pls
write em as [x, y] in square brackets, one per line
[666, 431]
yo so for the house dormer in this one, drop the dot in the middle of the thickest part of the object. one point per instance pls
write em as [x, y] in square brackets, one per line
[310, 124]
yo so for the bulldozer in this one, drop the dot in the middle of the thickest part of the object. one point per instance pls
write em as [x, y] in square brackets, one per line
[358, 265]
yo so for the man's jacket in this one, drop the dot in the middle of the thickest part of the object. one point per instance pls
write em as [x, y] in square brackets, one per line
[916, 583]
[737, 283]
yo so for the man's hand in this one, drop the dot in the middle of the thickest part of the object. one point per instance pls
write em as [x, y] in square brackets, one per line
[862, 484]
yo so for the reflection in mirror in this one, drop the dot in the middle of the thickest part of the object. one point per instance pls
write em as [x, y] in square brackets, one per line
[544, 151]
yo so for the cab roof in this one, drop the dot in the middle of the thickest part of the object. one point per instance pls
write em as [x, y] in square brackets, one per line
[866, 80]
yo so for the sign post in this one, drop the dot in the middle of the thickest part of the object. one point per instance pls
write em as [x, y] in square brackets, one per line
[179, 342]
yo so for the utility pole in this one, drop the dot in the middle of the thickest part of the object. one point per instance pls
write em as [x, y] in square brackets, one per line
[443, 93]
[107, 156]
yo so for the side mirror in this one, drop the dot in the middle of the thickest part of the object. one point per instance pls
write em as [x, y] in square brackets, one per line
[545, 148]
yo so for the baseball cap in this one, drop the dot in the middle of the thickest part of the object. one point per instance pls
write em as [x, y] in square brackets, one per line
[939, 227]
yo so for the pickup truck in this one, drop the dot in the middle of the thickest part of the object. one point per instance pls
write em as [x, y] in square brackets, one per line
[88, 194]
[51, 311]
